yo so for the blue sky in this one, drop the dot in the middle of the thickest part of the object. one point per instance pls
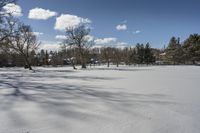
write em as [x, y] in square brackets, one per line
[138, 21]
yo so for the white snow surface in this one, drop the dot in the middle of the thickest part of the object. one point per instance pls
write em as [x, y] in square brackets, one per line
[155, 99]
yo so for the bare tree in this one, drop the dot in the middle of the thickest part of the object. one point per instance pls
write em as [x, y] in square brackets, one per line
[106, 55]
[78, 37]
[21, 40]
[25, 42]
[117, 56]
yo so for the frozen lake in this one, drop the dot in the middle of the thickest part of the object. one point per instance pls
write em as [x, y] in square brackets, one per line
[158, 99]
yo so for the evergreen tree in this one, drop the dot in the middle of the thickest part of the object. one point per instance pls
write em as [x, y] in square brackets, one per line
[174, 51]
[139, 57]
[148, 54]
[191, 48]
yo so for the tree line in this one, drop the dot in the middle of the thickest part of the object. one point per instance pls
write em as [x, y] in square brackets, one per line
[19, 47]
[187, 52]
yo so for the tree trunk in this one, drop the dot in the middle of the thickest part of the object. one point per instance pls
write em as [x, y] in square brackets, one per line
[28, 63]
[193, 62]
[83, 62]
[73, 64]
[29, 66]
[74, 68]
[82, 58]
[108, 63]
[83, 65]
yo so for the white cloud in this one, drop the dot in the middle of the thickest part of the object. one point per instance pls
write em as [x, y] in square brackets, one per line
[97, 46]
[121, 27]
[50, 46]
[121, 45]
[41, 14]
[60, 37]
[137, 32]
[66, 20]
[13, 9]
[105, 41]
[38, 33]
[89, 38]
[114, 44]
[111, 42]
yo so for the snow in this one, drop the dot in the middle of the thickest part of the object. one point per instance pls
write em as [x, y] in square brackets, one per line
[155, 99]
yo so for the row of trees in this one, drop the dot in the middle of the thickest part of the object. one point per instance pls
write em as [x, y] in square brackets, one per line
[78, 41]
[142, 54]
[187, 52]
[18, 46]
[71, 52]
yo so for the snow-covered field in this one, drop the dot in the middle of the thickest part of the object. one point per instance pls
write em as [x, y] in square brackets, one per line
[159, 99]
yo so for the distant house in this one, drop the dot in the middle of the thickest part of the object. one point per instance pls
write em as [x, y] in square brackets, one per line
[161, 59]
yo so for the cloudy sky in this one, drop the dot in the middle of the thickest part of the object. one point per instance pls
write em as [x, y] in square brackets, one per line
[119, 22]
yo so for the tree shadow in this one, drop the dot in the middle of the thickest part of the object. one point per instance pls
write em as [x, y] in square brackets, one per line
[121, 69]
[59, 95]
[72, 100]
